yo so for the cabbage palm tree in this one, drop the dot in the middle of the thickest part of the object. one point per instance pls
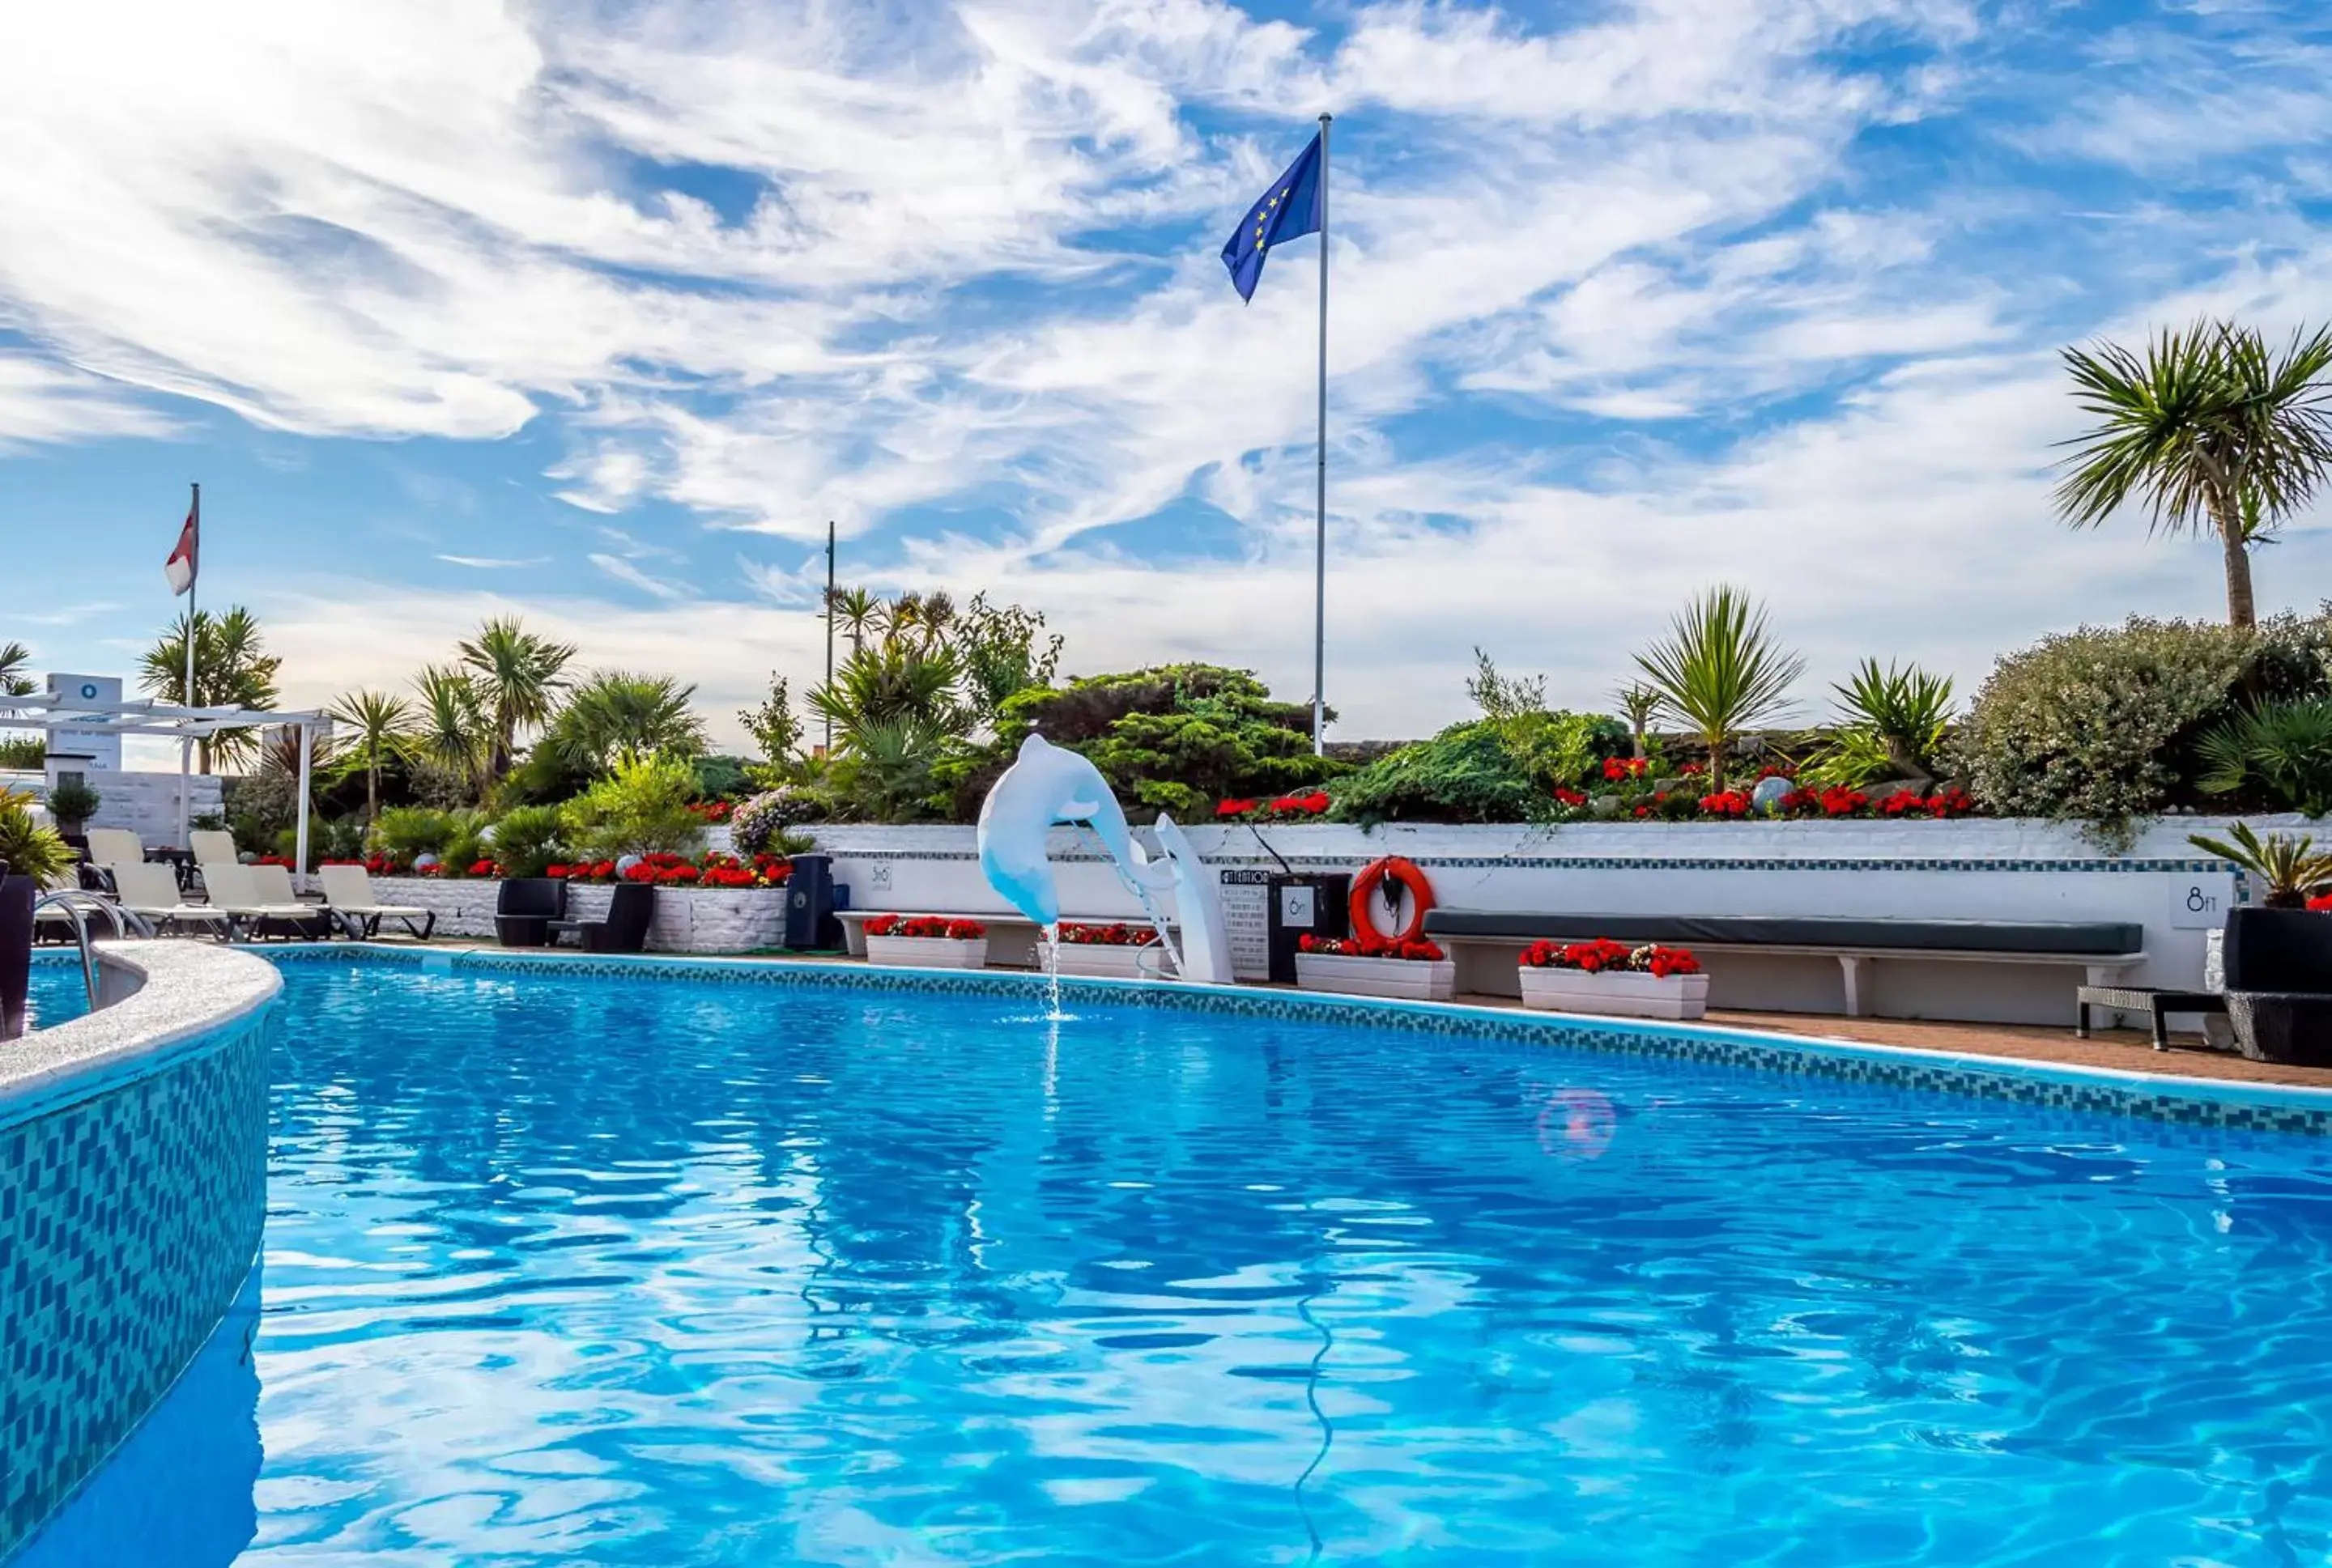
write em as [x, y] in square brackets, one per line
[2217, 432]
[454, 729]
[371, 727]
[614, 713]
[1720, 672]
[233, 669]
[519, 676]
[857, 611]
[14, 681]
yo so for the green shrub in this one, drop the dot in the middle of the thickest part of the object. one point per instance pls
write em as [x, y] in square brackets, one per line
[528, 840]
[23, 752]
[2279, 750]
[639, 808]
[2102, 724]
[74, 802]
[406, 832]
[756, 826]
[333, 839]
[31, 848]
[1486, 771]
[258, 808]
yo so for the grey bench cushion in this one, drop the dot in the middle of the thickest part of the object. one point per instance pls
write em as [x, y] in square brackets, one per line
[2074, 940]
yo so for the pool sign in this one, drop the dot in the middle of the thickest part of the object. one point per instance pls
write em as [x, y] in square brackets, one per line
[2201, 902]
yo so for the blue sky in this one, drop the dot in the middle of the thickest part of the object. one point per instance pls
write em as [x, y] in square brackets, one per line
[455, 308]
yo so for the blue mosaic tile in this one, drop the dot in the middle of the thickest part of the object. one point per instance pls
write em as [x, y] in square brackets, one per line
[129, 1220]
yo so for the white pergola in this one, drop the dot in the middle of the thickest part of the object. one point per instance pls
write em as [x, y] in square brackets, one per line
[51, 712]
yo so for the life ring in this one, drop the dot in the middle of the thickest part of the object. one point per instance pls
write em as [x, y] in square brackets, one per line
[1364, 892]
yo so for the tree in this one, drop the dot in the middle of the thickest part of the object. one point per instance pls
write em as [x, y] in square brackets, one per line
[14, 681]
[614, 714]
[454, 733]
[372, 727]
[233, 669]
[519, 676]
[1642, 705]
[857, 611]
[1720, 672]
[2219, 433]
[774, 726]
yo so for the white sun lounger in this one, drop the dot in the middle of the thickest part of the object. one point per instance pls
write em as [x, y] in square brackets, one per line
[248, 907]
[152, 891]
[115, 847]
[348, 890]
[209, 845]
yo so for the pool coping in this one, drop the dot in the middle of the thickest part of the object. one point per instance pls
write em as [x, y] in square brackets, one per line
[172, 1000]
[2150, 1096]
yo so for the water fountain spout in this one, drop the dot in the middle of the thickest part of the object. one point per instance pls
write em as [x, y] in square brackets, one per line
[1046, 787]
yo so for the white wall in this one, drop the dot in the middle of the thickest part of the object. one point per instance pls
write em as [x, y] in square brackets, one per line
[1976, 868]
[147, 803]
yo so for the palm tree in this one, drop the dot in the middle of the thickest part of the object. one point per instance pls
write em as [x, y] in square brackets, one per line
[233, 669]
[614, 713]
[520, 676]
[2218, 432]
[14, 681]
[372, 727]
[453, 732]
[857, 610]
[1720, 672]
[1642, 704]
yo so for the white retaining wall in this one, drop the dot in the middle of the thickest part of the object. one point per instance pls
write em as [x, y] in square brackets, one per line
[1973, 869]
[687, 920]
[147, 803]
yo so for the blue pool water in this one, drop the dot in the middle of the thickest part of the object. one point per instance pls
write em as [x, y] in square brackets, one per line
[589, 1271]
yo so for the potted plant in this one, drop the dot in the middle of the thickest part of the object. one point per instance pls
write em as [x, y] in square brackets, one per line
[926, 942]
[1117, 949]
[30, 855]
[72, 803]
[1611, 977]
[2276, 955]
[1375, 966]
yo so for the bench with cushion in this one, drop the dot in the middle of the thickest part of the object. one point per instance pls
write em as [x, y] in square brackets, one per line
[2104, 947]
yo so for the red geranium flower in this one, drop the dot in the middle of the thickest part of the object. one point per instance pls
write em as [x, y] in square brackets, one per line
[1234, 808]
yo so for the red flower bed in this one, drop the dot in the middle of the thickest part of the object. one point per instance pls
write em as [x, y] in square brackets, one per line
[663, 870]
[1729, 803]
[1297, 807]
[1235, 808]
[1371, 947]
[1620, 769]
[925, 927]
[2323, 903]
[1116, 934]
[1602, 953]
[712, 810]
[1572, 798]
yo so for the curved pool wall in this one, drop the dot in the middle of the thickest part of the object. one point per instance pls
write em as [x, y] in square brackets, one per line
[133, 1164]
[2159, 1097]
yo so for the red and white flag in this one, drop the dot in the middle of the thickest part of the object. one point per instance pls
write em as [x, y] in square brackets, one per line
[180, 567]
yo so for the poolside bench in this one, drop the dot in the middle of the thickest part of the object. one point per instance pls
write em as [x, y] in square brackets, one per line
[2103, 949]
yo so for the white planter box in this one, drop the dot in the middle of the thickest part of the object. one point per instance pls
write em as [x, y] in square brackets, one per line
[1624, 993]
[1115, 963]
[1408, 978]
[928, 952]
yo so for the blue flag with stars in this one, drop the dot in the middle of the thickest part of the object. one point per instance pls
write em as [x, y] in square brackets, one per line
[1291, 207]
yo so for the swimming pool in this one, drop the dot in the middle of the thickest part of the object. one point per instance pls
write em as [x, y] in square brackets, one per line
[618, 1270]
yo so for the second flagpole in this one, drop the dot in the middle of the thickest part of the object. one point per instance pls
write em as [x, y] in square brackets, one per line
[1320, 515]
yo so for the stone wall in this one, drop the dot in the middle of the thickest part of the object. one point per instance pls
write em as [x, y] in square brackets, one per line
[146, 803]
[687, 919]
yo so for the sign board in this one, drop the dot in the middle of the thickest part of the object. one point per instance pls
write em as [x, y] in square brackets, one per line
[1245, 897]
[99, 751]
[2200, 902]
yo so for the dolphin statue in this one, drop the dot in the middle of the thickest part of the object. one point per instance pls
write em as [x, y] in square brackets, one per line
[1046, 786]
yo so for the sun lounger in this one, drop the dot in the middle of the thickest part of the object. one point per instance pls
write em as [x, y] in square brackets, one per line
[211, 845]
[249, 910]
[348, 889]
[152, 891]
[115, 847]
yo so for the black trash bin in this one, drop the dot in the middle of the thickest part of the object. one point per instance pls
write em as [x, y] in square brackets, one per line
[1305, 903]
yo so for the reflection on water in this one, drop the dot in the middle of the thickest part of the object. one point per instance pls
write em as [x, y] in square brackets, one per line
[180, 1489]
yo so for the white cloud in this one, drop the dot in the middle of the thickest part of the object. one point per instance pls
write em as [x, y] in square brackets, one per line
[491, 563]
[623, 571]
[42, 403]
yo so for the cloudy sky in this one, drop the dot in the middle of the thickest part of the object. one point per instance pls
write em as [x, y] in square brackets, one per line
[601, 312]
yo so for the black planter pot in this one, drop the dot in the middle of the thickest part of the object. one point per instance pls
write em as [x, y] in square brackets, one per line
[2279, 983]
[2279, 950]
[15, 950]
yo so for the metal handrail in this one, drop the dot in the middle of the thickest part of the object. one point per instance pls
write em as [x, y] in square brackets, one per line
[76, 902]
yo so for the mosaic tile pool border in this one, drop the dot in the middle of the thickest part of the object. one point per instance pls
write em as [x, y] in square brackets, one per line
[129, 1219]
[2186, 1101]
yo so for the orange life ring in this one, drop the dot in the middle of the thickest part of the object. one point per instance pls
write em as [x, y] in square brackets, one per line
[1364, 889]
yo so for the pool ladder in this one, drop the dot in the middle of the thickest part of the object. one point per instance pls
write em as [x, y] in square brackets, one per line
[77, 903]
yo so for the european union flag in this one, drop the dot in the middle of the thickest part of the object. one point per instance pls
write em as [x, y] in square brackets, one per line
[1290, 208]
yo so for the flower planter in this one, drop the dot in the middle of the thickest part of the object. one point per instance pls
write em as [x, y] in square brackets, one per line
[928, 952]
[1411, 979]
[1113, 961]
[1623, 993]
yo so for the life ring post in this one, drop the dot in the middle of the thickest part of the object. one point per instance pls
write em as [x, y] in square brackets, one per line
[1392, 875]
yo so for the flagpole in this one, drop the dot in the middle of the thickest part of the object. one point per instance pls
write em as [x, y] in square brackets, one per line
[829, 630]
[1320, 514]
[187, 742]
